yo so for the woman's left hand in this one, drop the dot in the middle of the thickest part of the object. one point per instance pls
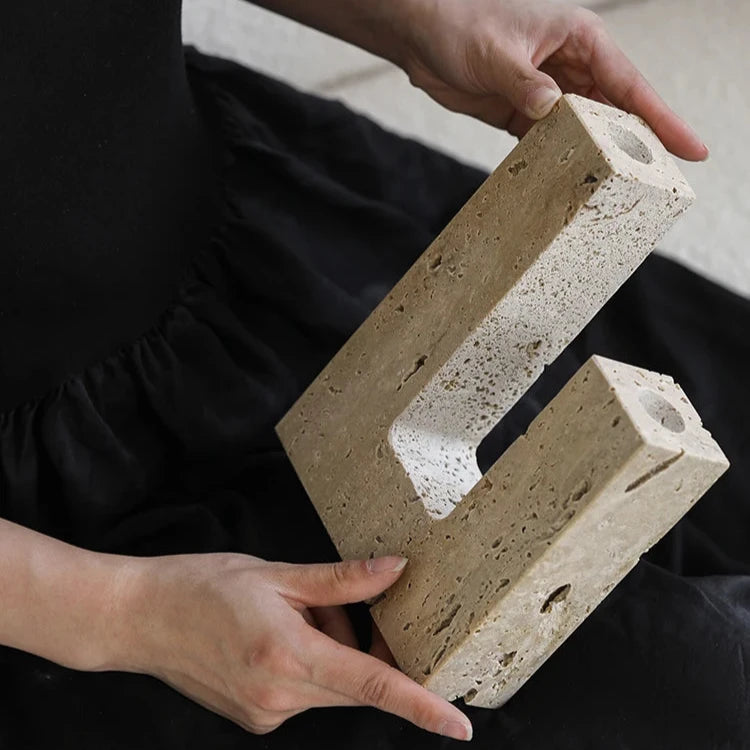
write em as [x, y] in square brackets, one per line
[508, 61]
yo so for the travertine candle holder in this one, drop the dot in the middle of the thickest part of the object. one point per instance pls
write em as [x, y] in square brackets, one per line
[504, 567]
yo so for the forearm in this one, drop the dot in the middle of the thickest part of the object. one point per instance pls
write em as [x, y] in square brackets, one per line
[374, 25]
[56, 600]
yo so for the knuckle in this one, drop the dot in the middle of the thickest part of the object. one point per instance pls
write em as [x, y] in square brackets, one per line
[586, 18]
[263, 654]
[630, 92]
[587, 29]
[521, 81]
[375, 690]
[275, 659]
[341, 572]
[270, 700]
[482, 48]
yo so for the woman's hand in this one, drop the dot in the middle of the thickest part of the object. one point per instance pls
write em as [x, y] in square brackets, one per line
[503, 61]
[508, 61]
[255, 641]
[247, 638]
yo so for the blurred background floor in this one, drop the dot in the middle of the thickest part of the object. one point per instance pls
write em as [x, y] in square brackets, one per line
[695, 52]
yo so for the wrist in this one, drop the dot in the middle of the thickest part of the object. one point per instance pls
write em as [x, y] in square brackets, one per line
[390, 28]
[59, 602]
[124, 617]
[397, 27]
[383, 27]
[413, 26]
[93, 621]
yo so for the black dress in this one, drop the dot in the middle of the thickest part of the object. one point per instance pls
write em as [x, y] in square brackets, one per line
[185, 244]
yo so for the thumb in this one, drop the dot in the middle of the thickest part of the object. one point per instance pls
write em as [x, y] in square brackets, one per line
[530, 91]
[342, 582]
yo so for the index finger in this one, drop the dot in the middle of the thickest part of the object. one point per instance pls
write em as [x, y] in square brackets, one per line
[371, 682]
[621, 82]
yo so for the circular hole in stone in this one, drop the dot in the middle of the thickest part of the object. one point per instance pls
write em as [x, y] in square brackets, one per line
[660, 410]
[631, 144]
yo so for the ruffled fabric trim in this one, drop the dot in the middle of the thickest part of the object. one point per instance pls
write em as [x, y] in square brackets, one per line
[260, 310]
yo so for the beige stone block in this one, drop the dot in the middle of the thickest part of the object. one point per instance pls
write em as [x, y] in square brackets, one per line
[385, 439]
[602, 473]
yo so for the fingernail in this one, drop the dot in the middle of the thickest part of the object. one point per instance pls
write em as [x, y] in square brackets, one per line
[542, 100]
[457, 730]
[388, 564]
[707, 154]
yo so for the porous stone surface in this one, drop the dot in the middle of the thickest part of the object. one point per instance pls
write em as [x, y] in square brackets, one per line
[385, 439]
[602, 473]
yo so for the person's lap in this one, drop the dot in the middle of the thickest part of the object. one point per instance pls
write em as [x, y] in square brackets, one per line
[325, 211]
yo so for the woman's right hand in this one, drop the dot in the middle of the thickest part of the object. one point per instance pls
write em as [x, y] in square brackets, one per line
[238, 635]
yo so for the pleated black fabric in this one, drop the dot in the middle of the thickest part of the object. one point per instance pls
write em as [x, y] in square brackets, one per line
[167, 445]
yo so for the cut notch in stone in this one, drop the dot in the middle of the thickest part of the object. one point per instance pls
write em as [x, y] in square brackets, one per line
[527, 527]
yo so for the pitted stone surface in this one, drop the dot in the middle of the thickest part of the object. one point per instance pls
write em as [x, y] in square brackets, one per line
[601, 474]
[385, 439]
[603, 232]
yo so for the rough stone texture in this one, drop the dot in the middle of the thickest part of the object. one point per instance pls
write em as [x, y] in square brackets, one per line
[385, 439]
[602, 473]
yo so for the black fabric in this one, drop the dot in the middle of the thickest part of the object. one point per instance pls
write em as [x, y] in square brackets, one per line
[105, 188]
[167, 445]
